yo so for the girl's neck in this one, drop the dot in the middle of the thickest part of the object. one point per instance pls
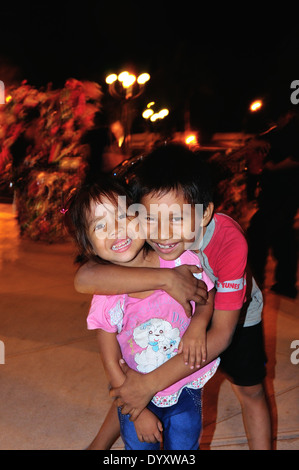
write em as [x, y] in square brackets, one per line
[144, 259]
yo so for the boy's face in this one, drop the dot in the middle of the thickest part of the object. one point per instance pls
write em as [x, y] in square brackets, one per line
[172, 225]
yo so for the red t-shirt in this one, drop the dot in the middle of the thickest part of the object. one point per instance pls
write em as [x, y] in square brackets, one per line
[224, 257]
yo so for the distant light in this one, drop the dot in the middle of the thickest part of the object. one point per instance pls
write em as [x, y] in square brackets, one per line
[149, 105]
[8, 98]
[111, 78]
[123, 76]
[160, 115]
[163, 113]
[154, 117]
[143, 78]
[128, 81]
[191, 139]
[256, 105]
[147, 113]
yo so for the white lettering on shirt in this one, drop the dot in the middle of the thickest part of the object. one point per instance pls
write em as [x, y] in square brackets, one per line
[230, 286]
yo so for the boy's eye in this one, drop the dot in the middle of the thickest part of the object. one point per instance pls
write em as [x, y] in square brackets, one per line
[150, 219]
[177, 219]
[122, 216]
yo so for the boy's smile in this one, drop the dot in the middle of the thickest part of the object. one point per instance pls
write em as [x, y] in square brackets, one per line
[166, 248]
[172, 225]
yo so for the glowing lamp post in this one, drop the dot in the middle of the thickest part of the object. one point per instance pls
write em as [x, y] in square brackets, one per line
[256, 105]
[151, 115]
[126, 87]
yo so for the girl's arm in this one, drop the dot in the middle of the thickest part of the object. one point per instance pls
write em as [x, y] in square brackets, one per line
[110, 354]
[193, 345]
[109, 279]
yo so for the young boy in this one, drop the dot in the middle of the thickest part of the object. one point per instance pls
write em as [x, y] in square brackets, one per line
[223, 252]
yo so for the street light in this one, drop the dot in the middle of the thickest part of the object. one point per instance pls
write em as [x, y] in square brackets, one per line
[111, 78]
[126, 86]
[123, 76]
[163, 113]
[143, 78]
[149, 113]
[256, 105]
[191, 139]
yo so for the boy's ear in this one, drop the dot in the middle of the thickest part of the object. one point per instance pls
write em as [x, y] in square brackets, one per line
[208, 214]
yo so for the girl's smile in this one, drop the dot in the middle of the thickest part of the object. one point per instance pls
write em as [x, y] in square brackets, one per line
[121, 245]
[110, 233]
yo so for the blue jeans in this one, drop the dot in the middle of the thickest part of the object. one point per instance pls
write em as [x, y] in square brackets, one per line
[181, 424]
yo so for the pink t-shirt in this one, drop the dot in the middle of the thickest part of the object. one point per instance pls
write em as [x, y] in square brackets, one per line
[149, 331]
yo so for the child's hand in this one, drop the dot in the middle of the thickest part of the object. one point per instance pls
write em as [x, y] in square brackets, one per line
[184, 287]
[194, 348]
[148, 427]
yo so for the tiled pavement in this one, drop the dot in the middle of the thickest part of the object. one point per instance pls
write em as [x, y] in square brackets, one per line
[53, 388]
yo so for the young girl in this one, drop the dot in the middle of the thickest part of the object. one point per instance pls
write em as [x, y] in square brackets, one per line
[144, 328]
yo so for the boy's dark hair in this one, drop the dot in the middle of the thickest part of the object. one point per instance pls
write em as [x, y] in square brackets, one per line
[173, 167]
[78, 208]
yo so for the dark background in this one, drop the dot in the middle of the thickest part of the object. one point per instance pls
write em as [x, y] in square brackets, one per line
[211, 61]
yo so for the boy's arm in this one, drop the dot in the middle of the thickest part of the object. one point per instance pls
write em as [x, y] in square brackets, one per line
[109, 279]
[148, 426]
[138, 389]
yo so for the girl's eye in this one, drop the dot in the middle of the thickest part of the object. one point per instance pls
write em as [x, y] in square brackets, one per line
[150, 219]
[122, 216]
[177, 219]
[100, 226]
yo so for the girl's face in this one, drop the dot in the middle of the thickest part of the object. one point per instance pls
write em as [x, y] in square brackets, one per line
[111, 232]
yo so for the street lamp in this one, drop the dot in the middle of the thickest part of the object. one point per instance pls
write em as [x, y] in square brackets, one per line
[143, 78]
[147, 113]
[191, 139]
[126, 87]
[151, 115]
[111, 78]
[256, 105]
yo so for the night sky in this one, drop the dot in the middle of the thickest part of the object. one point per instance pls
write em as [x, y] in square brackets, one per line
[208, 61]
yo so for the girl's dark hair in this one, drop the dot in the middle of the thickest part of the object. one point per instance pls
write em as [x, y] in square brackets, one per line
[78, 207]
[173, 167]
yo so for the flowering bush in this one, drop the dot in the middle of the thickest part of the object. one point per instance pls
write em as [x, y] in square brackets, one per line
[47, 127]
